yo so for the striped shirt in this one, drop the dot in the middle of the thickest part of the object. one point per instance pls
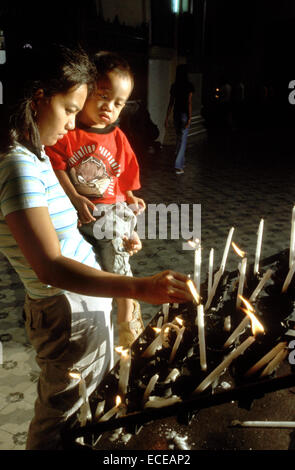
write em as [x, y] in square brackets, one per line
[27, 182]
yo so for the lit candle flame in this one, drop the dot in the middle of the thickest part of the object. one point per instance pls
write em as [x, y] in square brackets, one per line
[239, 252]
[75, 375]
[194, 243]
[247, 303]
[118, 400]
[156, 329]
[193, 290]
[255, 323]
[121, 350]
[179, 321]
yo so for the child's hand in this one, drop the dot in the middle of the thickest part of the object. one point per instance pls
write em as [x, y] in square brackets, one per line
[137, 204]
[85, 209]
[133, 244]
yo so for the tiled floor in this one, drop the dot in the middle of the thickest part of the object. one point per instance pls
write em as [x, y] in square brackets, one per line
[237, 181]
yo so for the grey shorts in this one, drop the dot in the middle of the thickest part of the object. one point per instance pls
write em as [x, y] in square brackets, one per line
[113, 222]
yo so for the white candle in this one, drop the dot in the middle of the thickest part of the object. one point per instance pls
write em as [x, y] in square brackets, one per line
[85, 412]
[165, 309]
[113, 411]
[160, 322]
[288, 278]
[227, 323]
[197, 265]
[154, 346]
[201, 336]
[172, 376]
[240, 328]
[226, 249]
[210, 272]
[265, 278]
[217, 278]
[150, 387]
[224, 364]
[274, 362]
[159, 340]
[265, 359]
[241, 281]
[258, 247]
[264, 424]
[160, 402]
[292, 239]
[125, 364]
[176, 344]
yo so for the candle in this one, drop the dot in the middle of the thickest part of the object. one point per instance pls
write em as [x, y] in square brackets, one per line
[292, 239]
[241, 327]
[113, 411]
[150, 387]
[172, 376]
[274, 363]
[288, 278]
[201, 335]
[265, 359]
[258, 247]
[264, 424]
[160, 402]
[176, 344]
[217, 278]
[241, 281]
[125, 364]
[197, 266]
[210, 272]
[165, 309]
[226, 249]
[85, 411]
[159, 340]
[265, 278]
[193, 291]
[224, 364]
[227, 323]
[160, 322]
[154, 346]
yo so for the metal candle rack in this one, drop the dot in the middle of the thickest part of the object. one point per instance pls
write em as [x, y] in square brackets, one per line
[244, 393]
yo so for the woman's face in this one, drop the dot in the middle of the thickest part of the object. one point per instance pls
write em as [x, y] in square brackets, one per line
[56, 115]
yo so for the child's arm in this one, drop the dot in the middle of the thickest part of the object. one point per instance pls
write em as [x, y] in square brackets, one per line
[83, 205]
[137, 203]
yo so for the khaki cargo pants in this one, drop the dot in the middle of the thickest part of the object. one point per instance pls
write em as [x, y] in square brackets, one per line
[68, 331]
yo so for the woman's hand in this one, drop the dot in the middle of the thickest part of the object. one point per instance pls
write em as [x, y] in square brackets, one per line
[165, 287]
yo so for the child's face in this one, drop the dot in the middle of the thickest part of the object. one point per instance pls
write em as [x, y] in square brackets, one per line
[103, 107]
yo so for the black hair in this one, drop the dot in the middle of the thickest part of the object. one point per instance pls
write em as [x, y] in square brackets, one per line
[54, 69]
[106, 62]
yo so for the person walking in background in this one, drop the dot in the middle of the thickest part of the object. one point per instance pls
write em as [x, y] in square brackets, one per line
[68, 296]
[180, 101]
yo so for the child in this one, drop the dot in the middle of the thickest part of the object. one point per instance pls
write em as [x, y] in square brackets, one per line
[98, 170]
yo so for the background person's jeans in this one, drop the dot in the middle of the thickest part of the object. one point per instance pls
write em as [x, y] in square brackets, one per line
[180, 121]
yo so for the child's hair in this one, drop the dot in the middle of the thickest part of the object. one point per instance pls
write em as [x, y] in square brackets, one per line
[106, 61]
[54, 69]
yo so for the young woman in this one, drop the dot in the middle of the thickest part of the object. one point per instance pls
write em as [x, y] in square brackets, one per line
[68, 297]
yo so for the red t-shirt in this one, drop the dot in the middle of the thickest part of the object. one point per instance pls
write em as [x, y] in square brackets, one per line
[100, 163]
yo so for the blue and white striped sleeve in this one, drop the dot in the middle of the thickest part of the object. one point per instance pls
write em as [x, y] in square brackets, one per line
[21, 186]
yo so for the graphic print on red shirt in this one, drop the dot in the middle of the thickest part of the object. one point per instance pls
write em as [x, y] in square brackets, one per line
[101, 165]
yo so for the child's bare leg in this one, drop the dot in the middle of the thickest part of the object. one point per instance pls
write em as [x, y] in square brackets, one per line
[130, 324]
[124, 309]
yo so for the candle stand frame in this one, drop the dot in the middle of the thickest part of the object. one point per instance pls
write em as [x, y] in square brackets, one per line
[183, 410]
